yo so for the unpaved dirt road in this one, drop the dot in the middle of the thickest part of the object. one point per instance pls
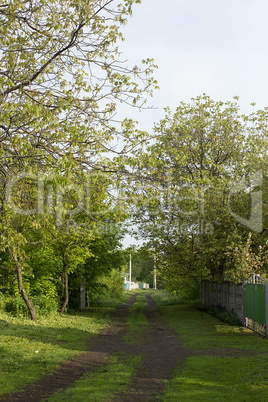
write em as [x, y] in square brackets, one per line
[159, 346]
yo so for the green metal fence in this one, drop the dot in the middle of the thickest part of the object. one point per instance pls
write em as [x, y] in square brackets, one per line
[249, 300]
[255, 304]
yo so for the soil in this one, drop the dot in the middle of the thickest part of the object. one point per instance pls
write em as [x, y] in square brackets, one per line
[160, 346]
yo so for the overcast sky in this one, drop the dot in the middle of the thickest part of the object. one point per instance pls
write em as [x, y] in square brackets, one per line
[217, 47]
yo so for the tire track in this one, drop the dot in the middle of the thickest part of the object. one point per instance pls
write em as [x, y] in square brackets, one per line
[101, 347]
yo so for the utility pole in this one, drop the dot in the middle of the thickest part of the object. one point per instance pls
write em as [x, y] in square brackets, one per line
[154, 273]
[130, 270]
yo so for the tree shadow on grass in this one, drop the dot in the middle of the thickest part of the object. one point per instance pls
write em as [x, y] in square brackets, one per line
[67, 332]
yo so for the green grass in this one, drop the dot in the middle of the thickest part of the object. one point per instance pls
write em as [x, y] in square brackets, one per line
[102, 385]
[136, 320]
[200, 330]
[116, 376]
[29, 350]
[210, 378]
[215, 378]
[164, 298]
[110, 302]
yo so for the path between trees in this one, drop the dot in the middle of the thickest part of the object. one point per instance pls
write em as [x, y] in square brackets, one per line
[158, 344]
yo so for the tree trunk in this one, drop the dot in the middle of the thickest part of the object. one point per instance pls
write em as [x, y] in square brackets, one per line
[25, 297]
[22, 291]
[66, 289]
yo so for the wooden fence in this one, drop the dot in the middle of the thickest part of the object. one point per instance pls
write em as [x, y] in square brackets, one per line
[226, 294]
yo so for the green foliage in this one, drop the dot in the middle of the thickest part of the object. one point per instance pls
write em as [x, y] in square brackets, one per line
[45, 306]
[2, 301]
[114, 283]
[58, 100]
[16, 307]
[244, 258]
[223, 314]
[189, 191]
[143, 265]
[107, 289]
[168, 298]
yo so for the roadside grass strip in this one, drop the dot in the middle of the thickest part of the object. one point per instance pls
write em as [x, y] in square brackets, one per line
[210, 378]
[102, 385]
[164, 298]
[30, 350]
[216, 378]
[200, 330]
[137, 321]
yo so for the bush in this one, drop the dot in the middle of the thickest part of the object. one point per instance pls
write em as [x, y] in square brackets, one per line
[114, 283]
[223, 314]
[43, 306]
[107, 289]
[168, 298]
[16, 306]
[2, 301]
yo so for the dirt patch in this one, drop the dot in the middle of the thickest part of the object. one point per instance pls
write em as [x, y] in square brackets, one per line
[161, 349]
[106, 343]
[159, 345]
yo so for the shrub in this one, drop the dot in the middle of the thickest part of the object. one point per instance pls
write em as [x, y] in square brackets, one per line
[16, 306]
[43, 306]
[2, 301]
[114, 283]
[223, 314]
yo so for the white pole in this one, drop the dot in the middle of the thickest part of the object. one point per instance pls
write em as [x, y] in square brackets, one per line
[266, 308]
[154, 274]
[130, 270]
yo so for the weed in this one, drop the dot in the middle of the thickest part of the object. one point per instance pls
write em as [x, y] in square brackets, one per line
[223, 314]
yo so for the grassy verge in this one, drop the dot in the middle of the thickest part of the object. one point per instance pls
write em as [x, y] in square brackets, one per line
[210, 378]
[114, 377]
[200, 330]
[103, 301]
[216, 378]
[30, 350]
[164, 298]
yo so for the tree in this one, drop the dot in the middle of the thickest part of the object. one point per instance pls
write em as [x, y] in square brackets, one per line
[244, 260]
[142, 264]
[61, 79]
[187, 201]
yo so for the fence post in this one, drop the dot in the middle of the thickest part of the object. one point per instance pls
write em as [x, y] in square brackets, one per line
[266, 310]
[83, 296]
[243, 315]
[202, 293]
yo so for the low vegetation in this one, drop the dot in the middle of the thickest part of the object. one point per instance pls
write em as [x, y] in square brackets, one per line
[216, 377]
[225, 361]
[29, 350]
[114, 377]
[224, 315]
